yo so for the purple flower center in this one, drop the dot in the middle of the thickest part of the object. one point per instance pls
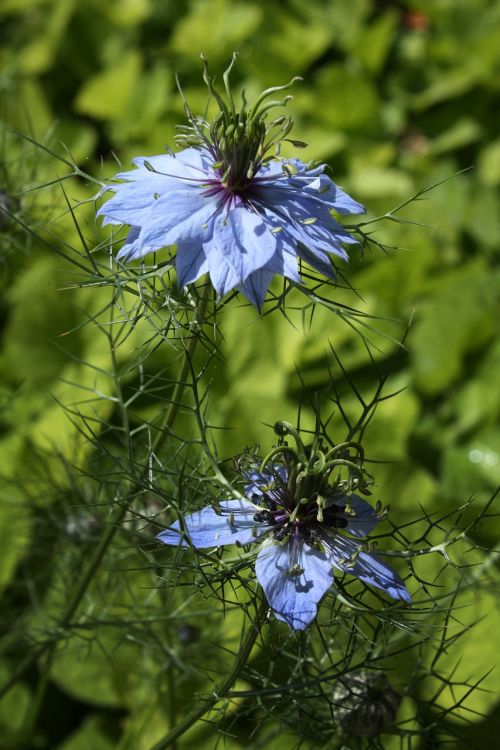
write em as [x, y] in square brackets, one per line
[299, 519]
[230, 194]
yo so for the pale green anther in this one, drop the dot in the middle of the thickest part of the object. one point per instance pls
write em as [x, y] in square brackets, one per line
[350, 562]
[204, 226]
[276, 230]
[295, 571]
[311, 220]
[149, 166]
[381, 513]
[321, 504]
[216, 508]
[255, 532]
[290, 169]
[156, 196]
[350, 510]
[231, 519]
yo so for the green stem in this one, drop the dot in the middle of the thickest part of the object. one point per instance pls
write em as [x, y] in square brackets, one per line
[220, 692]
[101, 549]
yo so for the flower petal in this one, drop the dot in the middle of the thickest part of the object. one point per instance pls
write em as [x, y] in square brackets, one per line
[365, 519]
[368, 567]
[241, 236]
[182, 215]
[256, 286]
[241, 240]
[133, 201]
[189, 163]
[206, 528]
[293, 598]
[190, 263]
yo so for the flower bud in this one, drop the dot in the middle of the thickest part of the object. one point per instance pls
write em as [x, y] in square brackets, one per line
[365, 704]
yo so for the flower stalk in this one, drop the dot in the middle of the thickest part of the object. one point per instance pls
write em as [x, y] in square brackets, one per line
[49, 647]
[225, 686]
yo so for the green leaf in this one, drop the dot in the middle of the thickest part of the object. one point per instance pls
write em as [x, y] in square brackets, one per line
[489, 163]
[38, 56]
[459, 318]
[108, 94]
[348, 101]
[216, 29]
[15, 513]
[471, 659]
[463, 132]
[375, 40]
[472, 467]
[91, 734]
[14, 704]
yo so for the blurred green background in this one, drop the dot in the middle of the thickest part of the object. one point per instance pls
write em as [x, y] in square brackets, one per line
[396, 96]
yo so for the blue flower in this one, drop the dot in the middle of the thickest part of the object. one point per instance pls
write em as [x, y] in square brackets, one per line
[300, 543]
[232, 210]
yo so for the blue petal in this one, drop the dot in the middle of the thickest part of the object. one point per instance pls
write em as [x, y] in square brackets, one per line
[206, 528]
[307, 219]
[365, 519]
[133, 200]
[189, 163]
[143, 187]
[275, 475]
[366, 566]
[318, 260]
[284, 262]
[256, 286]
[293, 598]
[133, 248]
[242, 238]
[180, 216]
[190, 264]
[223, 275]
[344, 204]
[334, 196]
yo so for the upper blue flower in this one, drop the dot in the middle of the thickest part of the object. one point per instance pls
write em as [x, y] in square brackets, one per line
[232, 210]
[302, 542]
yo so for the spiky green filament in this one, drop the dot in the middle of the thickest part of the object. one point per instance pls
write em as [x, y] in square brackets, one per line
[242, 138]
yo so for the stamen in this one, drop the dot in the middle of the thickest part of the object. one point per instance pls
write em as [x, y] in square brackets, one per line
[295, 571]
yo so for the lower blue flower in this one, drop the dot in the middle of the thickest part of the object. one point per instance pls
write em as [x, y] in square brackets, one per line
[301, 545]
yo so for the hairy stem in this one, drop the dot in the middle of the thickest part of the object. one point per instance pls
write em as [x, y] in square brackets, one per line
[223, 689]
[49, 646]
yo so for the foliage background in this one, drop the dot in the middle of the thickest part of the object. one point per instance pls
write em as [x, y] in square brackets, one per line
[396, 96]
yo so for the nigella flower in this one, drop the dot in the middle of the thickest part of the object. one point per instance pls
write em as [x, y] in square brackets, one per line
[306, 529]
[231, 209]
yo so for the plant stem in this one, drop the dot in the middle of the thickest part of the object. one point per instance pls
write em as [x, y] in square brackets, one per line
[101, 549]
[220, 692]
